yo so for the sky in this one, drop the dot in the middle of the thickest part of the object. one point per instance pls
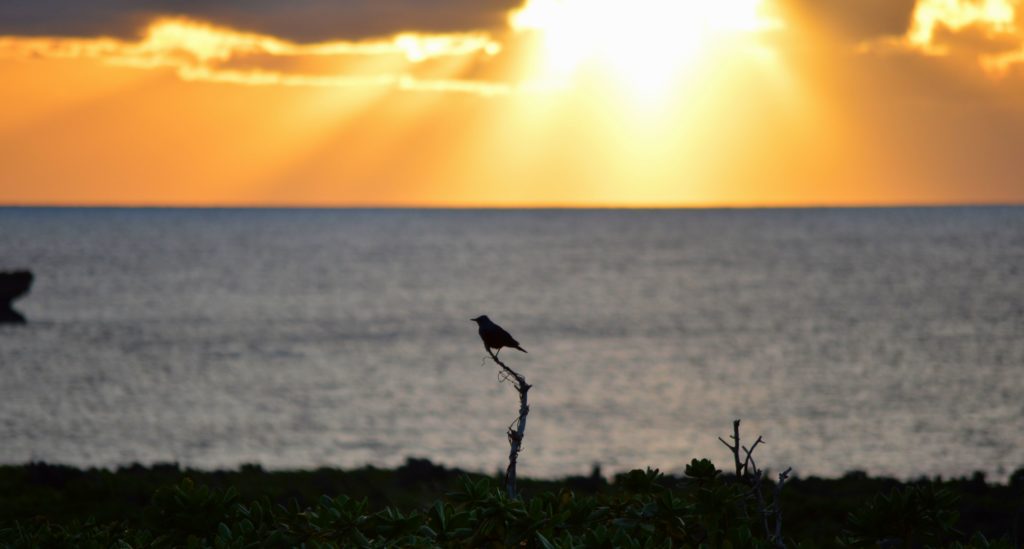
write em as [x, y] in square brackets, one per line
[535, 103]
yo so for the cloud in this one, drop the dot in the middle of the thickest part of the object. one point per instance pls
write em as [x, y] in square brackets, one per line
[199, 51]
[994, 17]
[989, 32]
[1000, 64]
[854, 21]
[970, 34]
[297, 20]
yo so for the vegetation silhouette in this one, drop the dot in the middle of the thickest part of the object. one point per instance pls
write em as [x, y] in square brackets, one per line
[424, 505]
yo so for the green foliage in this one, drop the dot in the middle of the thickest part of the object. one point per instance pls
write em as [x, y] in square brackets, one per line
[910, 515]
[189, 509]
[642, 509]
[979, 541]
[702, 470]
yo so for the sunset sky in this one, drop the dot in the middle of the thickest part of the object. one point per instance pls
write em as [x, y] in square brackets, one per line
[503, 103]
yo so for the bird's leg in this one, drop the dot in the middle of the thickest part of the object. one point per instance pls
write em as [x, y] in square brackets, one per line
[496, 352]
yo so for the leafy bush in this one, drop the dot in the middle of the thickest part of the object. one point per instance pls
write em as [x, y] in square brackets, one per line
[644, 511]
[642, 508]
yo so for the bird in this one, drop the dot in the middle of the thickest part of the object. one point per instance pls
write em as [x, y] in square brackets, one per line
[494, 336]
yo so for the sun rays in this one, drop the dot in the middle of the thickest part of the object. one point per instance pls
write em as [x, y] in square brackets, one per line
[645, 45]
[551, 103]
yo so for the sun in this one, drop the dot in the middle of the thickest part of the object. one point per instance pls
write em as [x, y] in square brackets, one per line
[645, 44]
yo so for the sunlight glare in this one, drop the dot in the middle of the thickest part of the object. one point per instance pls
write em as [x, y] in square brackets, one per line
[644, 43]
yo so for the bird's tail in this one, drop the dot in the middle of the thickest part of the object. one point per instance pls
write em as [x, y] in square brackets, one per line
[517, 347]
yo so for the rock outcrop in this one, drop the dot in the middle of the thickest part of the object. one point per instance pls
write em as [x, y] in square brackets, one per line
[13, 284]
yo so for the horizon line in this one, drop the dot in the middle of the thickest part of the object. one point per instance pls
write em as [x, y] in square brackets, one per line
[524, 206]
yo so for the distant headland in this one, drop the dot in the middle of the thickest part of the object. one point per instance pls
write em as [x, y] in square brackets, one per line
[13, 284]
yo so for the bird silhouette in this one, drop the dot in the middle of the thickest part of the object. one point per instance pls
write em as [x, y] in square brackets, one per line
[494, 336]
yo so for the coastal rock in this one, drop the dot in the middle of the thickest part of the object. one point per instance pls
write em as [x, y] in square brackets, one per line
[13, 284]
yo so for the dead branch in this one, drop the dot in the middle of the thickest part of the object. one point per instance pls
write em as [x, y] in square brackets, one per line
[777, 507]
[735, 447]
[748, 473]
[749, 460]
[517, 430]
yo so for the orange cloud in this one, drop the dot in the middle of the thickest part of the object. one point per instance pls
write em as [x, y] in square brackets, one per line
[199, 51]
[992, 16]
[999, 64]
[989, 30]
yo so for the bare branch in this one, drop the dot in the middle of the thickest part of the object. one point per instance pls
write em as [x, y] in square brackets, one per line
[748, 473]
[735, 447]
[777, 507]
[517, 429]
[748, 459]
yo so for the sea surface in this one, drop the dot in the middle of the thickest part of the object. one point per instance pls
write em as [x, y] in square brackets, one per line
[884, 340]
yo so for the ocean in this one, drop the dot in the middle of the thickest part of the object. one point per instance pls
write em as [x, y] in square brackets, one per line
[889, 341]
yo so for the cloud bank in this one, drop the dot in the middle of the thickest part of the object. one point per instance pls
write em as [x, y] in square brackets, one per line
[443, 45]
[295, 20]
[199, 51]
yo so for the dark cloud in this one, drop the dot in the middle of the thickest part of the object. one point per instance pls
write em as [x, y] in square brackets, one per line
[299, 20]
[854, 20]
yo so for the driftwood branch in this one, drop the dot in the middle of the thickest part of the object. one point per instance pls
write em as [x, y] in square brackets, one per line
[517, 430]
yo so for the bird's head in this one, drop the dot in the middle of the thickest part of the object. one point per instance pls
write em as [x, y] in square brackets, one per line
[481, 318]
